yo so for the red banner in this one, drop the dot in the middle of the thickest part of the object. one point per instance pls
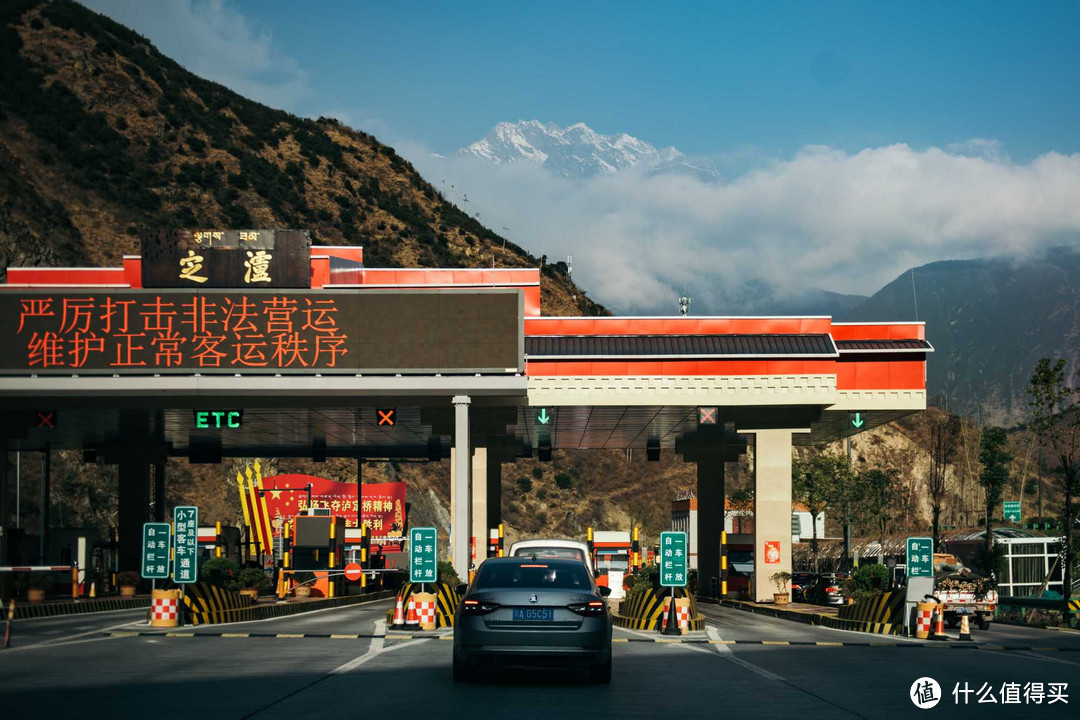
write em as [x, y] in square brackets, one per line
[381, 505]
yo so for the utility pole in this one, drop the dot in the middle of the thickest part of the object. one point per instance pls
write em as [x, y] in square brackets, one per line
[847, 516]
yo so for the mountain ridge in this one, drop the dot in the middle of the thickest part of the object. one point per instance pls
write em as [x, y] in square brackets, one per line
[577, 151]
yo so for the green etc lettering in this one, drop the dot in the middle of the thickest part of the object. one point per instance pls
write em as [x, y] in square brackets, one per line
[217, 419]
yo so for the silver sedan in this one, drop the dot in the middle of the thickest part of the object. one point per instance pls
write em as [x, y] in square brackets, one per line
[532, 611]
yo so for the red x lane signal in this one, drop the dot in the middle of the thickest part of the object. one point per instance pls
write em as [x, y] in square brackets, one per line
[387, 416]
[706, 415]
[46, 419]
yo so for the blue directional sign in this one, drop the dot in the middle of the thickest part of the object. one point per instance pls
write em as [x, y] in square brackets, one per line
[920, 557]
[673, 568]
[186, 556]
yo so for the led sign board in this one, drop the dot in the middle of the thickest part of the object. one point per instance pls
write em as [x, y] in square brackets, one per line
[218, 419]
[64, 332]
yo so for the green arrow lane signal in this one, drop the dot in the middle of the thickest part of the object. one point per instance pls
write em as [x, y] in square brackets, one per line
[856, 419]
[542, 417]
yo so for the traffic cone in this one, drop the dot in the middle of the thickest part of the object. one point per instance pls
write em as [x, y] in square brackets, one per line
[93, 589]
[399, 616]
[939, 626]
[965, 629]
[411, 621]
[671, 627]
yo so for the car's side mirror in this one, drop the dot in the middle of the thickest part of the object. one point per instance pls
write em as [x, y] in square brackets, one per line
[603, 590]
[462, 589]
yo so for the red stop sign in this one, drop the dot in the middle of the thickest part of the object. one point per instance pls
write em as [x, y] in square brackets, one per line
[353, 571]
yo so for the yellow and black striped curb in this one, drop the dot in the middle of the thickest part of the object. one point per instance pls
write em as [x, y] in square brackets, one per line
[208, 605]
[654, 641]
[815, 618]
[644, 610]
[26, 611]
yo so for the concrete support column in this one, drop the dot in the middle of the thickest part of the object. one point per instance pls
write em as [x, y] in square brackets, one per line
[772, 509]
[459, 489]
[710, 520]
[3, 507]
[478, 539]
[494, 496]
[134, 511]
[159, 490]
[45, 505]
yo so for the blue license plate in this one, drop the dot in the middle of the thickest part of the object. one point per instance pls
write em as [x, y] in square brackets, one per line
[534, 614]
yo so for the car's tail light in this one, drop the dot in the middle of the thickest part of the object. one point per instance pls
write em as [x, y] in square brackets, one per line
[832, 589]
[475, 607]
[796, 587]
[590, 609]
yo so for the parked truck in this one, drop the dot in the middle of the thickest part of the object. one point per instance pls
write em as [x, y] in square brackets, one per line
[961, 591]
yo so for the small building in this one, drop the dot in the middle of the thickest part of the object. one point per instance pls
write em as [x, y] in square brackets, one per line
[738, 520]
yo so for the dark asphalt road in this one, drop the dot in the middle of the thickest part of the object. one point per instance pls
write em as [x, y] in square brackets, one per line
[70, 673]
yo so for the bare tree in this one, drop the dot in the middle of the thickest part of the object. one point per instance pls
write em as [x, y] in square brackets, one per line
[815, 481]
[942, 447]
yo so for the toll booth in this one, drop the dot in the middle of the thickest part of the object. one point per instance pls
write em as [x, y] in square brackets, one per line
[318, 544]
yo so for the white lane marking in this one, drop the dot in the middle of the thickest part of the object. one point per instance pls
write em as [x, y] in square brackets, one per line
[47, 646]
[299, 616]
[71, 638]
[778, 626]
[84, 617]
[726, 653]
[377, 648]
[1032, 655]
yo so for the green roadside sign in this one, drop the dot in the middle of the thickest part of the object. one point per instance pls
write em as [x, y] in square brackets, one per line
[920, 557]
[1010, 510]
[186, 533]
[155, 552]
[423, 555]
[673, 559]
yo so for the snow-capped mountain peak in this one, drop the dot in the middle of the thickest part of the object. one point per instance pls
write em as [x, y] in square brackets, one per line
[579, 151]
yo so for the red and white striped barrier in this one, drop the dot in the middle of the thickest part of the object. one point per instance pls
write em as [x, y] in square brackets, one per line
[165, 611]
[922, 620]
[682, 616]
[425, 613]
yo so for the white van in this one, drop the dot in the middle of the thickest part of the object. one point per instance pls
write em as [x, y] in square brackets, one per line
[553, 548]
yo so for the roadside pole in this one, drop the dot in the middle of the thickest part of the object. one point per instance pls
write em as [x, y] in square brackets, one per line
[920, 576]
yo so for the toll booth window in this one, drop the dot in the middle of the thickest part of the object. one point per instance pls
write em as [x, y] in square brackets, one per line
[612, 562]
[564, 577]
[559, 553]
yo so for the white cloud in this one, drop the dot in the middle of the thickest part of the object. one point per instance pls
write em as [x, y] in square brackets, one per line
[824, 218]
[212, 39]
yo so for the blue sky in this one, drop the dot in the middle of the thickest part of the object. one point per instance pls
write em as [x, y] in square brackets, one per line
[708, 78]
[856, 140]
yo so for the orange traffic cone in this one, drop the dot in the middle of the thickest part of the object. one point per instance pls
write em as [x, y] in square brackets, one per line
[965, 629]
[939, 626]
[399, 616]
[412, 622]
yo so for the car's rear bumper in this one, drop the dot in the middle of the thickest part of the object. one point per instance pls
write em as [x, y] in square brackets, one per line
[587, 645]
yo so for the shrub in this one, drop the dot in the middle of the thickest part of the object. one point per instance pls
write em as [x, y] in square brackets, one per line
[866, 582]
[221, 572]
[128, 577]
[564, 481]
[255, 578]
[447, 574]
[538, 472]
[646, 577]
[524, 484]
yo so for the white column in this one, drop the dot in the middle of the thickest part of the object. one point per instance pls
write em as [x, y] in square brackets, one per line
[479, 504]
[459, 489]
[772, 509]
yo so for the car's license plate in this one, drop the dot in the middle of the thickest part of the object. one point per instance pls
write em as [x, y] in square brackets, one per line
[534, 614]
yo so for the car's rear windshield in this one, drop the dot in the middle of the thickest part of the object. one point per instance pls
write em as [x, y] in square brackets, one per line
[564, 553]
[534, 575]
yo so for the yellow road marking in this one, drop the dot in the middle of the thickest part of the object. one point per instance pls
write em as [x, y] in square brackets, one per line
[829, 644]
[344, 637]
[619, 640]
[235, 635]
[667, 640]
[1045, 649]
[721, 642]
[123, 634]
[179, 634]
[775, 642]
[290, 635]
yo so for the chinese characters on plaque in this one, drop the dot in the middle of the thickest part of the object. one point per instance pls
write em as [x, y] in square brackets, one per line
[226, 258]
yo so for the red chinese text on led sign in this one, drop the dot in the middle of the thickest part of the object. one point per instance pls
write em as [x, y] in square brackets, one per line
[162, 331]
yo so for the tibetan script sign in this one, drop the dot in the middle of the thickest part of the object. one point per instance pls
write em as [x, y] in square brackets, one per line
[221, 331]
[226, 259]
